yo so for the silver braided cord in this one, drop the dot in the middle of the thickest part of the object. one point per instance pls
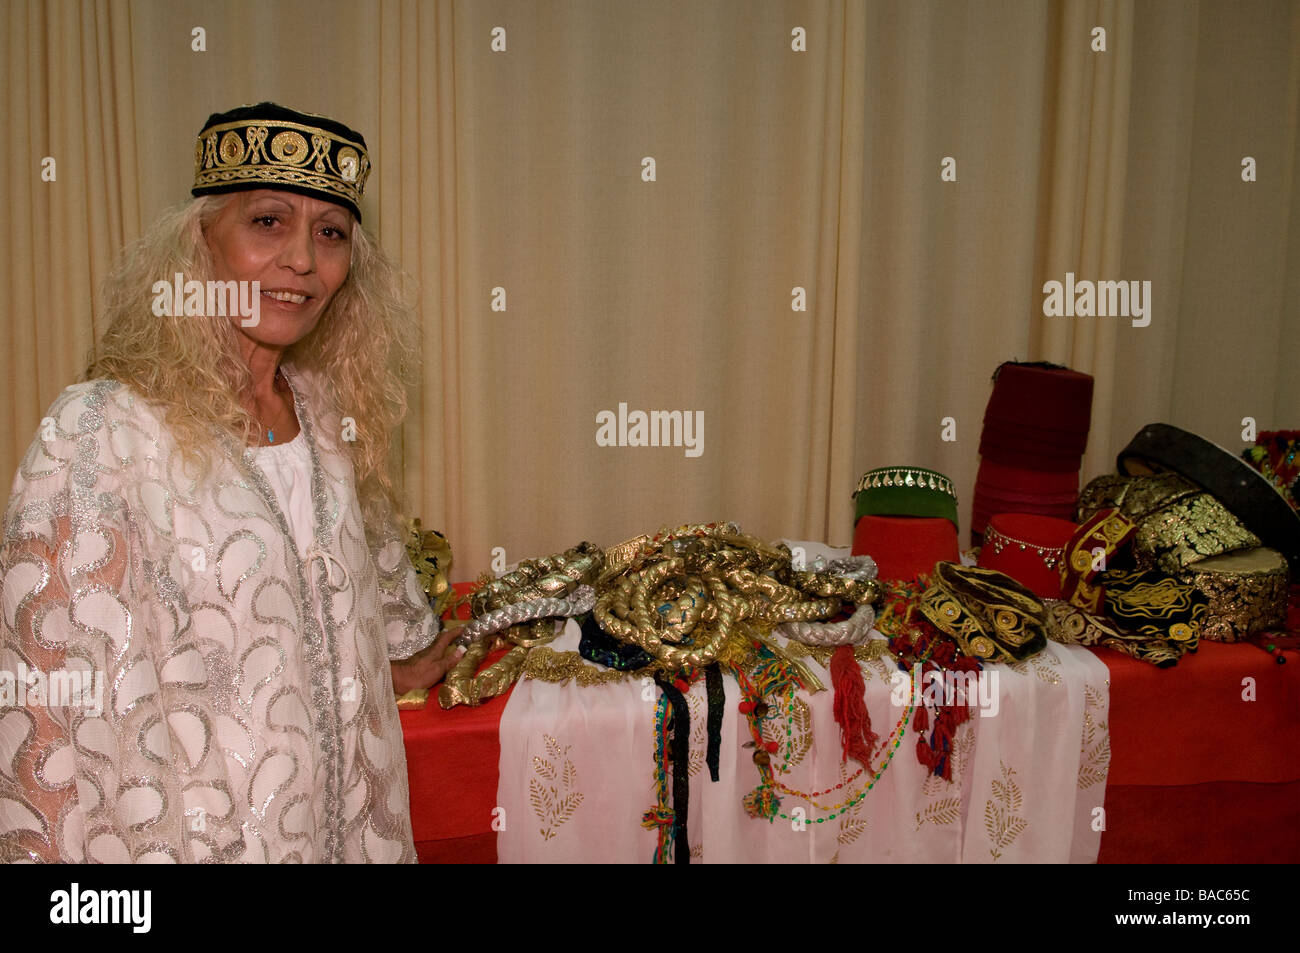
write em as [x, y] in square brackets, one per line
[852, 631]
[498, 620]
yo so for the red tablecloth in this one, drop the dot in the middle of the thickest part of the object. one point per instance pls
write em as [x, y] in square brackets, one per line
[1198, 773]
[451, 760]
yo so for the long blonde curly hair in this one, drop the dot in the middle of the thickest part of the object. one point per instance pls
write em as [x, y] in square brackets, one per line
[190, 367]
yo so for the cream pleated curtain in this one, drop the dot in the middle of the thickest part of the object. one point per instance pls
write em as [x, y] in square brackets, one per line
[797, 151]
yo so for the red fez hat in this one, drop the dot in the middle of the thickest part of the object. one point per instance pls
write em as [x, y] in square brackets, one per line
[1028, 548]
[905, 547]
[1043, 397]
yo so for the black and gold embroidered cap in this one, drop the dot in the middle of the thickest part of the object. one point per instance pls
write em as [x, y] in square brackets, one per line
[1236, 484]
[269, 146]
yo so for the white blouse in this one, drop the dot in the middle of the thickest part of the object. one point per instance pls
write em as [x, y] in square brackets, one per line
[288, 469]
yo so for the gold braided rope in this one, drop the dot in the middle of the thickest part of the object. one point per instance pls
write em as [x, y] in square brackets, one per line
[679, 596]
[458, 684]
[551, 577]
[461, 686]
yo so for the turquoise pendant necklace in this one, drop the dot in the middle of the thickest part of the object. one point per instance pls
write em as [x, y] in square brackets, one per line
[270, 431]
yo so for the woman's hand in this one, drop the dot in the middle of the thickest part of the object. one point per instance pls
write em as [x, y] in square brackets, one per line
[427, 667]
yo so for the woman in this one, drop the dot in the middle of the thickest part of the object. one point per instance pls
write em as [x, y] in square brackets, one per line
[206, 529]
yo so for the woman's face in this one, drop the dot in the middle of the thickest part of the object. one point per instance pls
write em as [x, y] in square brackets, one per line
[298, 248]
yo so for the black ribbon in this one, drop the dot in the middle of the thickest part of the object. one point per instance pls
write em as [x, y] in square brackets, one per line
[600, 647]
[717, 698]
[679, 723]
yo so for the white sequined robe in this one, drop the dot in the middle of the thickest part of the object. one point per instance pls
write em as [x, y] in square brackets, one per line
[247, 704]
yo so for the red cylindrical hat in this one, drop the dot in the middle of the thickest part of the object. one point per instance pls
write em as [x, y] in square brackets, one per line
[1012, 504]
[1031, 458]
[1027, 548]
[992, 493]
[982, 513]
[1014, 437]
[1054, 435]
[986, 509]
[1048, 397]
[905, 547]
[997, 477]
[1009, 440]
[988, 506]
[1025, 438]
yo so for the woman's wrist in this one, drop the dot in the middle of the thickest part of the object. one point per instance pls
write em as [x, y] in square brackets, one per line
[401, 683]
[427, 667]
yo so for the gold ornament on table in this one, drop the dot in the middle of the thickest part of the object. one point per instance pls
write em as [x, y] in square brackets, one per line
[430, 555]
[534, 581]
[1247, 592]
[682, 595]
[686, 597]
[1178, 524]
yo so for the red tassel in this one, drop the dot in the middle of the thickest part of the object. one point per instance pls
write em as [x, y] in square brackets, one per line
[924, 754]
[945, 726]
[851, 713]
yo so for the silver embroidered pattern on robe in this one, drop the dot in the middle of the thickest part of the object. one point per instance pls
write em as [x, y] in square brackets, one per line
[247, 710]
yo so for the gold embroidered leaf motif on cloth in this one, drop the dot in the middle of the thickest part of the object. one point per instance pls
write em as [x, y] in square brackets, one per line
[1041, 665]
[852, 823]
[553, 791]
[1001, 821]
[795, 739]
[943, 811]
[1095, 748]
[248, 714]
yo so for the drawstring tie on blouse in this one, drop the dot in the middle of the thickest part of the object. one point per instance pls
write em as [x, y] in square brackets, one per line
[330, 561]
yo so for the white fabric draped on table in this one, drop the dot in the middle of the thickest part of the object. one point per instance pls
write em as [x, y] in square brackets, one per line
[577, 773]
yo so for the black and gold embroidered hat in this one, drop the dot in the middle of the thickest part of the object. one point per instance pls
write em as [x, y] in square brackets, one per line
[269, 146]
